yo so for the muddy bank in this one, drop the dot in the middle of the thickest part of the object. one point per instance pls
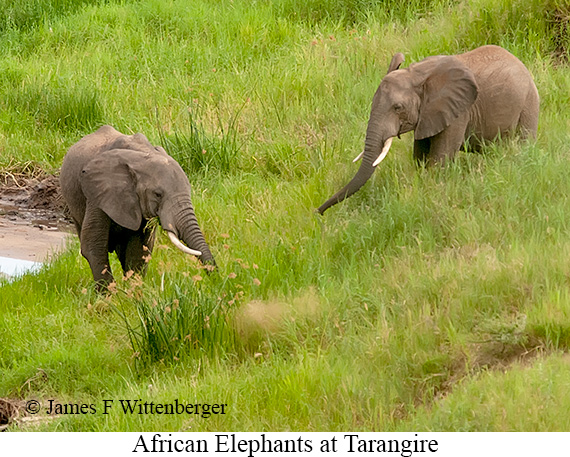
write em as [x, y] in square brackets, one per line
[33, 223]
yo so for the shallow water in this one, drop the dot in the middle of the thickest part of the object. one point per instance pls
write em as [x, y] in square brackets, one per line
[15, 267]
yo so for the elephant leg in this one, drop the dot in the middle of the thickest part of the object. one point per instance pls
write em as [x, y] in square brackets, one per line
[135, 252]
[445, 144]
[94, 240]
[421, 150]
[77, 227]
[528, 121]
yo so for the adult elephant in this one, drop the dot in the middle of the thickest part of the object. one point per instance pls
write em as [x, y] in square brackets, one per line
[113, 184]
[446, 101]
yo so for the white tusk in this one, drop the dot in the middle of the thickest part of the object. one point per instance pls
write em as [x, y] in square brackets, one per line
[385, 150]
[176, 242]
[358, 157]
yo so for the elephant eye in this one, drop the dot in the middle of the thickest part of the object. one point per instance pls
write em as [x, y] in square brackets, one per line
[158, 193]
[398, 107]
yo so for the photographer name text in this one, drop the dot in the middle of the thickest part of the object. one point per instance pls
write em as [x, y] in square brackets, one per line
[133, 407]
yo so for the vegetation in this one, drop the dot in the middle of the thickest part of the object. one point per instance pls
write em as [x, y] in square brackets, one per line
[431, 300]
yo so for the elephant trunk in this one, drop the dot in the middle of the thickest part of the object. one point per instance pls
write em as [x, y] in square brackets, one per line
[370, 158]
[186, 225]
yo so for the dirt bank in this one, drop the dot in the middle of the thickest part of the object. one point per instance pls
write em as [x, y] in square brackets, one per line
[33, 223]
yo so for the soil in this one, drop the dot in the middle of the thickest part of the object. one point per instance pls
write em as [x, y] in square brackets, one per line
[33, 220]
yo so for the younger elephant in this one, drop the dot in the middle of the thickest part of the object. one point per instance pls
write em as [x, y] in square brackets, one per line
[113, 184]
[446, 100]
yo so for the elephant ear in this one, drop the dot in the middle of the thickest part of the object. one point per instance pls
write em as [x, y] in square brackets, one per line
[396, 62]
[109, 183]
[448, 91]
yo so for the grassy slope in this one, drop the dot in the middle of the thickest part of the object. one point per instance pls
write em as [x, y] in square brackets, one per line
[388, 313]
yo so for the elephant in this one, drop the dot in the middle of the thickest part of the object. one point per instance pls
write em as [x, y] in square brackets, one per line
[448, 101]
[113, 184]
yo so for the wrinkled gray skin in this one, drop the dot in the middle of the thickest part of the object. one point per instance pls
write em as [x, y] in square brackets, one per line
[113, 184]
[446, 101]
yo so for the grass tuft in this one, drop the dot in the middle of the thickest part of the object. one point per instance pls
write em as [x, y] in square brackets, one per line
[199, 152]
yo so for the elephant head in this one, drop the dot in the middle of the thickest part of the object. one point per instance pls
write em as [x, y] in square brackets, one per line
[134, 185]
[426, 98]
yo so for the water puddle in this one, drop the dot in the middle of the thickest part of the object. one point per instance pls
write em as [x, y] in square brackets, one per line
[25, 248]
[10, 268]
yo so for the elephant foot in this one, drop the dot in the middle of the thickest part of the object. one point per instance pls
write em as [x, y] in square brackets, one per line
[104, 287]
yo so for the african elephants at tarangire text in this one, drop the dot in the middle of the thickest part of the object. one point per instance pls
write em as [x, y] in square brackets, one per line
[113, 184]
[446, 101]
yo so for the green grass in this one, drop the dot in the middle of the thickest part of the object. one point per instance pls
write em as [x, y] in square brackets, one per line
[431, 300]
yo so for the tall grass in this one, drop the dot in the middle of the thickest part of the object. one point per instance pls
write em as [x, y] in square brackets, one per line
[353, 12]
[187, 321]
[57, 106]
[18, 14]
[200, 152]
[402, 308]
